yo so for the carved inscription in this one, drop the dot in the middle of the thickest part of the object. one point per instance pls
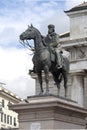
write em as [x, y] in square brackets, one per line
[35, 126]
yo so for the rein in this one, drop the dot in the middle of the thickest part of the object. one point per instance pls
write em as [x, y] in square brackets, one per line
[27, 45]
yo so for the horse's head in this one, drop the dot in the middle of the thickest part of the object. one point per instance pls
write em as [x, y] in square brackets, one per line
[31, 33]
[28, 34]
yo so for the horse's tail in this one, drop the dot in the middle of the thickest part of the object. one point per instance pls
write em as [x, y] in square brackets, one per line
[66, 64]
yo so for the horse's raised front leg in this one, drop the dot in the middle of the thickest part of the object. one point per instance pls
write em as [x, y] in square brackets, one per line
[40, 81]
[46, 71]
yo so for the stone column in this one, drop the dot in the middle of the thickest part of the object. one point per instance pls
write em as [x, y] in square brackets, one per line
[78, 88]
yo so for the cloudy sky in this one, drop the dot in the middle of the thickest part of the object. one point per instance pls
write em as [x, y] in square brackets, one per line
[15, 15]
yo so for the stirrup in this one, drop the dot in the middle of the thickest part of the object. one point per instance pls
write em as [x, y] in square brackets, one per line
[59, 66]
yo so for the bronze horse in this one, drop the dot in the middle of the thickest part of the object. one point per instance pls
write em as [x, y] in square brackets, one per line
[42, 61]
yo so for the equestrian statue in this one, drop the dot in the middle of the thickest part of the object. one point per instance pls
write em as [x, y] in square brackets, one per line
[47, 56]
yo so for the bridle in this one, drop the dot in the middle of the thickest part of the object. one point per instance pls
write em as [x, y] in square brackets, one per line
[27, 45]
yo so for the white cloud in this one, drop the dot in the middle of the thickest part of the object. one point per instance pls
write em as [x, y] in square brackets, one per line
[13, 63]
[15, 20]
[23, 86]
[59, 19]
[14, 66]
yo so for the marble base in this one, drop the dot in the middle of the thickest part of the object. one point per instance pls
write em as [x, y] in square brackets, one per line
[49, 112]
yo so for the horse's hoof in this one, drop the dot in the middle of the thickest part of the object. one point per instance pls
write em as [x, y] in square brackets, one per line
[47, 94]
[41, 93]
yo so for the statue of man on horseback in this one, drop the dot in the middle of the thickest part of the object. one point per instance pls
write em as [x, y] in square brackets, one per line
[47, 56]
[52, 42]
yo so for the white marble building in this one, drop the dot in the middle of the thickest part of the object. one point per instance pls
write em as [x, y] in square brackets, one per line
[8, 118]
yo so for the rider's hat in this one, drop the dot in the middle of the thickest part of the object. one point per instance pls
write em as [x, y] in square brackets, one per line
[51, 26]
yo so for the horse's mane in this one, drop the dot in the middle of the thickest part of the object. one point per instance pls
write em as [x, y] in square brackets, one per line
[37, 30]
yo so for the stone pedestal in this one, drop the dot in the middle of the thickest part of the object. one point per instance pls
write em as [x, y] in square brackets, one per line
[50, 112]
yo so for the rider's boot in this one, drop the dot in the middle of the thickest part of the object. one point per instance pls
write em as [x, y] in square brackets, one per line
[58, 60]
[58, 64]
